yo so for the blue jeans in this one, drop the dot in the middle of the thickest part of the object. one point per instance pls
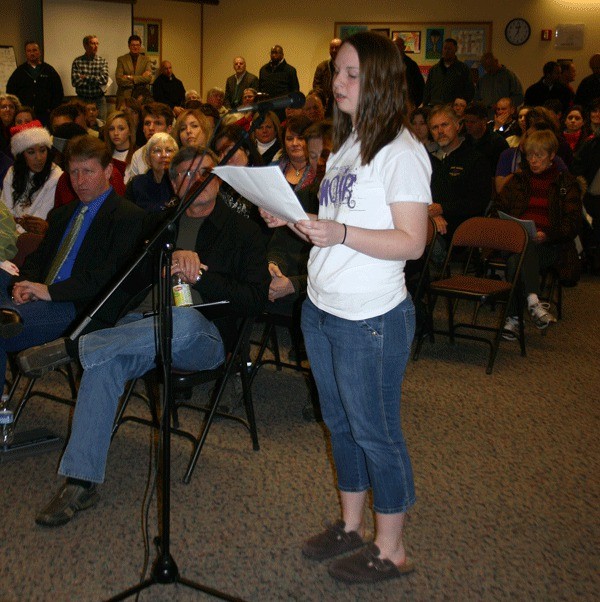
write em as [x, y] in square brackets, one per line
[358, 367]
[113, 356]
[43, 321]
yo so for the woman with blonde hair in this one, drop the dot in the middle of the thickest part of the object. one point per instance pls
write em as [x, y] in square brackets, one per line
[119, 135]
[268, 138]
[552, 200]
[192, 128]
[9, 105]
[152, 191]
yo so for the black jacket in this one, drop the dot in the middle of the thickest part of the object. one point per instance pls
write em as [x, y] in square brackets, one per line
[235, 253]
[109, 243]
[43, 93]
[461, 184]
[586, 162]
[168, 91]
[278, 80]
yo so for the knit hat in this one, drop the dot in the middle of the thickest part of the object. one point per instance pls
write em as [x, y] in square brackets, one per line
[26, 135]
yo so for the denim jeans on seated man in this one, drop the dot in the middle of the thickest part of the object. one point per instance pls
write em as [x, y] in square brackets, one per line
[42, 321]
[113, 356]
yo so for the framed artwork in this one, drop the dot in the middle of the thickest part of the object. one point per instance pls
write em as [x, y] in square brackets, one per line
[383, 31]
[150, 30]
[412, 40]
[433, 43]
[347, 30]
[426, 38]
[471, 41]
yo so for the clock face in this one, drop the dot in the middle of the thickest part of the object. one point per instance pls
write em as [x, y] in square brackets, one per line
[517, 32]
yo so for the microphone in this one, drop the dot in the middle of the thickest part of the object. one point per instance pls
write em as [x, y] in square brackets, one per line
[294, 100]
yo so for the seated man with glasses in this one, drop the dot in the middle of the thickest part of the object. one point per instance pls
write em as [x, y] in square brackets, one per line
[222, 256]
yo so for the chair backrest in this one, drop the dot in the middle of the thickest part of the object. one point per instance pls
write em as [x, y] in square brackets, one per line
[27, 243]
[491, 233]
[425, 273]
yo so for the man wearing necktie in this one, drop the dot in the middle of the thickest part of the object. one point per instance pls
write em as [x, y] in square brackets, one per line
[87, 243]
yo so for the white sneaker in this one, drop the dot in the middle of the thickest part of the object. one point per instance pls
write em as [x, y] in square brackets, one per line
[510, 332]
[540, 315]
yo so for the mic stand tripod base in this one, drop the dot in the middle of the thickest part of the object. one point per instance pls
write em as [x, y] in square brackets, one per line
[164, 570]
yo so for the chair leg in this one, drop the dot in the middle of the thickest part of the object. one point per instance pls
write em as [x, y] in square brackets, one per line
[261, 350]
[249, 405]
[122, 407]
[275, 344]
[207, 424]
[24, 398]
[450, 319]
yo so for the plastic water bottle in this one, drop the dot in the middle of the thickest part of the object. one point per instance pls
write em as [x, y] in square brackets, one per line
[182, 293]
[7, 422]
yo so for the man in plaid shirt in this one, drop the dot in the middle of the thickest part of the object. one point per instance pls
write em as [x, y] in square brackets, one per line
[89, 73]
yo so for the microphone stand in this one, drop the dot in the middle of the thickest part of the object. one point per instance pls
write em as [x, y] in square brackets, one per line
[164, 569]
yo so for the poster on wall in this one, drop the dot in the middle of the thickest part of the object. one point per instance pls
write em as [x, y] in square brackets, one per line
[471, 42]
[426, 38]
[412, 40]
[433, 43]
[150, 30]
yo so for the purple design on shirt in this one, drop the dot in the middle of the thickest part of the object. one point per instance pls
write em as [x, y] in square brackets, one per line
[337, 190]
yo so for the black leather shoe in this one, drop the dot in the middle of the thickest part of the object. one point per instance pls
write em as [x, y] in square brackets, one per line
[10, 323]
[70, 499]
[41, 359]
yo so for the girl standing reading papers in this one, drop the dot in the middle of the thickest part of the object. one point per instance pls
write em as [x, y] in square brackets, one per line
[359, 320]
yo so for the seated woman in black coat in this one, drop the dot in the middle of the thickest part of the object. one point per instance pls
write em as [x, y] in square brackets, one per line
[152, 191]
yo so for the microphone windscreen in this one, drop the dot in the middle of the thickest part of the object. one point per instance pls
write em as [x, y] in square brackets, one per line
[298, 99]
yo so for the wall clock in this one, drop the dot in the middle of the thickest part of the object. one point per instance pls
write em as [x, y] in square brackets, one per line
[517, 31]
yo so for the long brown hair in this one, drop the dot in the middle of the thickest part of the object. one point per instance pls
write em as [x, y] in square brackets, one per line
[126, 117]
[383, 102]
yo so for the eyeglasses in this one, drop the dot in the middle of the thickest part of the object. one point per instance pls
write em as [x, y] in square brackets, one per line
[7, 108]
[157, 151]
[201, 174]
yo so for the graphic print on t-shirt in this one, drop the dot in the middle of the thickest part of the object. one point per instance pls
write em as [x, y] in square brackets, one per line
[337, 190]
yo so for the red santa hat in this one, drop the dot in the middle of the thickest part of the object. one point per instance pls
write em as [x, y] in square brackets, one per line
[26, 135]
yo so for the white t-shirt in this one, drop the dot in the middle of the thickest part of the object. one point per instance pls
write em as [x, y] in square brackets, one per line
[42, 200]
[138, 164]
[347, 283]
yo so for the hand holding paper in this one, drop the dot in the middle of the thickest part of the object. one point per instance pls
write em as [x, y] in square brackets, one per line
[266, 187]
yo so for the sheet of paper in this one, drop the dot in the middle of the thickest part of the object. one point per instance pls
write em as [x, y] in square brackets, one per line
[266, 187]
[528, 224]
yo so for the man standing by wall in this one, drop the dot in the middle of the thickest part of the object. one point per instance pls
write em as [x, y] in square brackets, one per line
[589, 88]
[547, 88]
[89, 75]
[238, 82]
[36, 84]
[133, 69]
[448, 79]
[414, 79]
[278, 78]
[497, 82]
[324, 76]
[168, 89]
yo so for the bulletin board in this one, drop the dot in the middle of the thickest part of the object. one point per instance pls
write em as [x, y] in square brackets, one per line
[8, 63]
[424, 39]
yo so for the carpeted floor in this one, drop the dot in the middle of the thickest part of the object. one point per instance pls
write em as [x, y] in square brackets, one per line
[507, 472]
